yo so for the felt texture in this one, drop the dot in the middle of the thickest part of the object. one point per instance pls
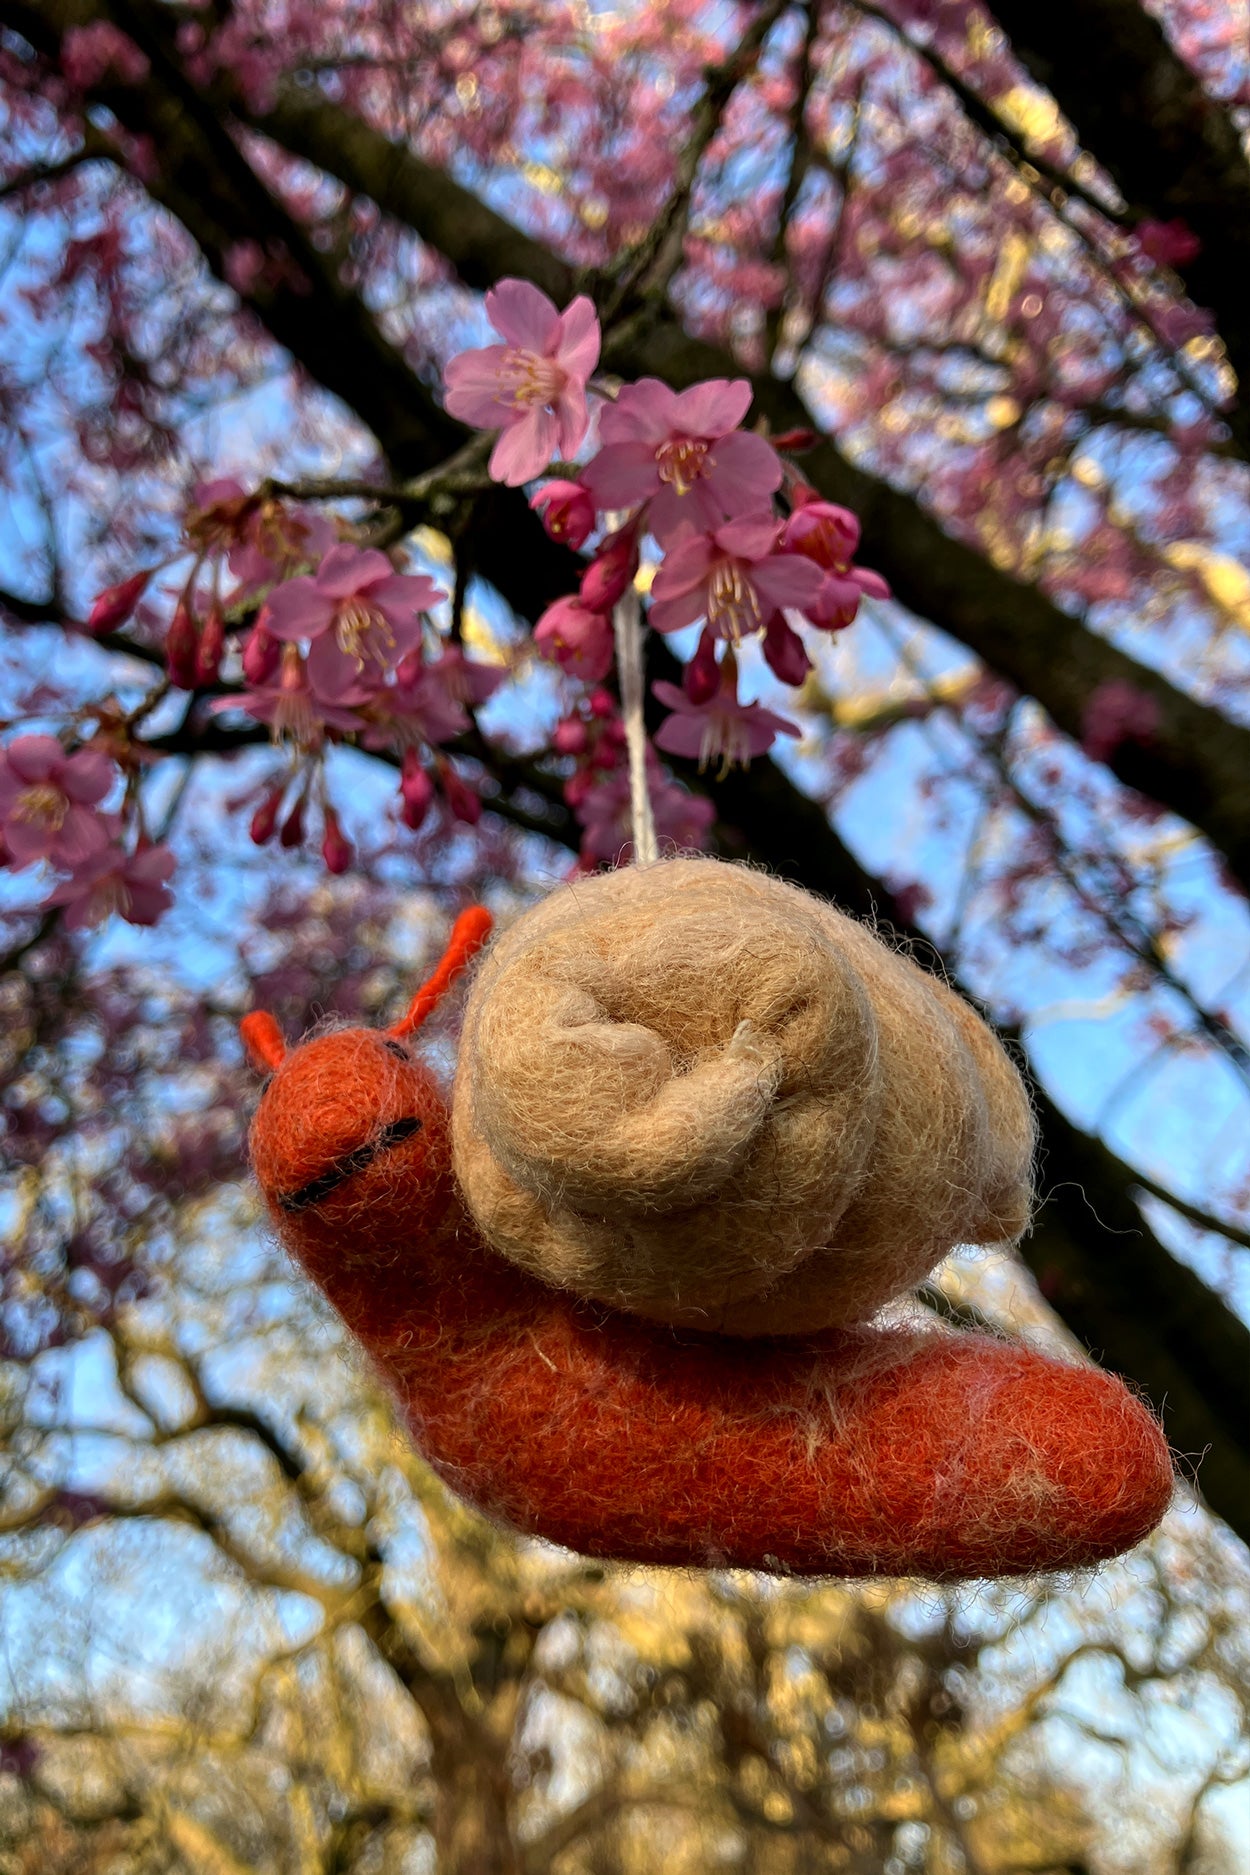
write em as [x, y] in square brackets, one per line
[695, 1092]
[863, 1451]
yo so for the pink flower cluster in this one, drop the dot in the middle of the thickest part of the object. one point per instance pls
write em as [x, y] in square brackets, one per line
[677, 467]
[50, 810]
[347, 650]
[593, 735]
[280, 615]
[319, 639]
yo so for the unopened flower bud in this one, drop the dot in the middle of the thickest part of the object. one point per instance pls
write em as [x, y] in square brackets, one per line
[416, 788]
[114, 606]
[569, 737]
[609, 574]
[336, 849]
[212, 645]
[292, 833]
[567, 511]
[463, 800]
[260, 655]
[265, 819]
[794, 442]
[702, 675]
[181, 648]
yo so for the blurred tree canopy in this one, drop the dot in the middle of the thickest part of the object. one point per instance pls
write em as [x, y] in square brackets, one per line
[994, 260]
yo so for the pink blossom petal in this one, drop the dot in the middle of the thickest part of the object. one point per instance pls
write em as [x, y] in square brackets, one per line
[347, 570]
[697, 507]
[332, 672]
[712, 408]
[525, 448]
[89, 774]
[524, 316]
[643, 412]
[787, 579]
[403, 597]
[749, 536]
[672, 614]
[836, 603]
[298, 609]
[580, 338]
[745, 471]
[572, 418]
[27, 841]
[870, 583]
[473, 388]
[687, 565]
[81, 834]
[680, 735]
[621, 474]
[35, 758]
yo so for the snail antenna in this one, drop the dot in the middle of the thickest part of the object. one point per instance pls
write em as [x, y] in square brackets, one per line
[468, 934]
[263, 1041]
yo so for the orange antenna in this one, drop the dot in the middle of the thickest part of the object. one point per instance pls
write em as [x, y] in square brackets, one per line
[468, 934]
[263, 1041]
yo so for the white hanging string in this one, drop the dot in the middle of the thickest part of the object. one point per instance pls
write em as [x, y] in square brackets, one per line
[627, 625]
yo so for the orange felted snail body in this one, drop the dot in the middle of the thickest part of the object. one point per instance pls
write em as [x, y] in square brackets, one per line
[802, 1074]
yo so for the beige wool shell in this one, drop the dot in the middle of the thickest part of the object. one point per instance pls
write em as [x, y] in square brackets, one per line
[695, 1092]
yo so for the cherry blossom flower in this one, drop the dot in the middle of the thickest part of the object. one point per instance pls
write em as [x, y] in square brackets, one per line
[718, 728]
[567, 511]
[468, 680]
[532, 388]
[682, 820]
[733, 578]
[47, 801]
[683, 454]
[294, 710]
[115, 883]
[423, 705]
[356, 611]
[275, 540]
[828, 535]
[822, 531]
[577, 639]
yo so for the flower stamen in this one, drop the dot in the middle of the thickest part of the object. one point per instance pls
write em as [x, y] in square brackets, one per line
[362, 631]
[44, 804]
[733, 608]
[528, 379]
[682, 462]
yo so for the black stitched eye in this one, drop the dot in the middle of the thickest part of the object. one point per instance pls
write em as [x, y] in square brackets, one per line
[265, 1085]
[348, 1166]
[396, 1048]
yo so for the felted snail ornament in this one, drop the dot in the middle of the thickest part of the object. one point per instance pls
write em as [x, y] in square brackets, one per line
[704, 1128]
